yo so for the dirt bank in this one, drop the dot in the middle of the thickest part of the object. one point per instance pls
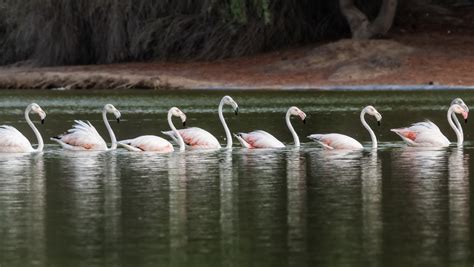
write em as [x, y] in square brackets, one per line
[440, 53]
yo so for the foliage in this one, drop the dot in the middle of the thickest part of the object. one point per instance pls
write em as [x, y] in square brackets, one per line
[57, 32]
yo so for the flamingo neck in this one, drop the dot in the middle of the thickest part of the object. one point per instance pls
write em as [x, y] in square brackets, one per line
[366, 126]
[224, 124]
[459, 134]
[109, 129]
[33, 127]
[458, 124]
[292, 130]
[175, 131]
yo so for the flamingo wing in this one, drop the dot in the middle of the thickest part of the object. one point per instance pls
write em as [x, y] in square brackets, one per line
[148, 143]
[12, 140]
[422, 134]
[336, 141]
[83, 136]
[196, 138]
[259, 139]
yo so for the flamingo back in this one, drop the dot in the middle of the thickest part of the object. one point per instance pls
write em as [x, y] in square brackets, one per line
[260, 139]
[336, 141]
[12, 140]
[422, 134]
[150, 143]
[83, 136]
[196, 138]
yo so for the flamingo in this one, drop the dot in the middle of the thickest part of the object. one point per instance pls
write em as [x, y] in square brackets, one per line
[341, 141]
[198, 138]
[427, 134]
[262, 139]
[84, 137]
[13, 141]
[156, 143]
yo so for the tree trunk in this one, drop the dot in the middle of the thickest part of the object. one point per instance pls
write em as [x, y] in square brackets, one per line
[361, 27]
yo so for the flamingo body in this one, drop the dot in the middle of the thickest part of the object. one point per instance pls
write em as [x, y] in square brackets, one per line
[341, 141]
[259, 139]
[148, 143]
[13, 141]
[336, 141]
[196, 138]
[83, 136]
[424, 134]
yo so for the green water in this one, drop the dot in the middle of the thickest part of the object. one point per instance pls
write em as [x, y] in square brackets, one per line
[288, 207]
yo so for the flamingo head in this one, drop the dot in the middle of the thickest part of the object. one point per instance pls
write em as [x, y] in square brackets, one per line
[461, 109]
[178, 113]
[109, 108]
[229, 101]
[372, 111]
[35, 108]
[458, 101]
[295, 111]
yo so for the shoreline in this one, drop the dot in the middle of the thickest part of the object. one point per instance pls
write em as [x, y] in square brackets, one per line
[403, 61]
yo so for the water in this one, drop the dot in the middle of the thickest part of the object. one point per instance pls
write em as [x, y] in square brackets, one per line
[396, 206]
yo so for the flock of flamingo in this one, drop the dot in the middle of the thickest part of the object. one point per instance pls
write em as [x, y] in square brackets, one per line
[84, 137]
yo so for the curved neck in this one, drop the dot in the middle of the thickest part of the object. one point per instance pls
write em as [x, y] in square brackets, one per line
[180, 139]
[37, 133]
[111, 132]
[372, 134]
[459, 134]
[224, 124]
[292, 130]
[458, 125]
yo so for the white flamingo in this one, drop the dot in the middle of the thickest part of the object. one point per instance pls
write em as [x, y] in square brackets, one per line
[198, 138]
[156, 143]
[262, 139]
[341, 141]
[13, 141]
[427, 134]
[84, 137]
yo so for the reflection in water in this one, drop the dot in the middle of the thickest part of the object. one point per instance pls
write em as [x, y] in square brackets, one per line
[84, 212]
[229, 213]
[371, 175]
[334, 201]
[458, 206]
[419, 175]
[262, 206]
[22, 210]
[177, 208]
[297, 208]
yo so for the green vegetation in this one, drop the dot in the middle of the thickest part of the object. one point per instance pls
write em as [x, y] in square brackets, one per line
[58, 32]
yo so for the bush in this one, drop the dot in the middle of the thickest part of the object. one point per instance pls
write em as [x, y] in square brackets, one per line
[61, 32]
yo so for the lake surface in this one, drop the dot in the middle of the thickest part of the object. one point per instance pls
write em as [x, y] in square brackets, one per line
[396, 206]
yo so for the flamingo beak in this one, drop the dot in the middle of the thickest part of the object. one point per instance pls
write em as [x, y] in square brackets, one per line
[42, 121]
[236, 111]
[378, 123]
[465, 120]
[465, 114]
[184, 123]
[118, 120]
[304, 121]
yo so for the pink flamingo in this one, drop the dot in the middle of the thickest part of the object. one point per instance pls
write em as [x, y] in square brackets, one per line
[262, 139]
[155, 143]
[199, 138]
[341, 141]
[13, 141]
[427, 134]
[84, 137]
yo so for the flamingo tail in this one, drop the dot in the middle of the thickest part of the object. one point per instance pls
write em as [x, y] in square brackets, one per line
[242, 141]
